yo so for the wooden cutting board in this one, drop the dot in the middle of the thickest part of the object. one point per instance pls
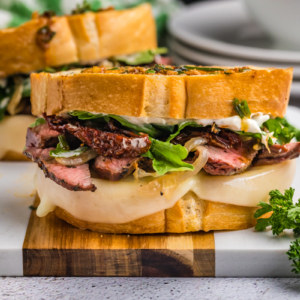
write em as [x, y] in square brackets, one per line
[52, 247]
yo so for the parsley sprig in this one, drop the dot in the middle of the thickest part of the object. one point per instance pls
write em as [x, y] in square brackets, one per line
[281, 213]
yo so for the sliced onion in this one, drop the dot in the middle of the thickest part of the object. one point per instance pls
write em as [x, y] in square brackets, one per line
[140, 173]
[169, 183]
[77, 160]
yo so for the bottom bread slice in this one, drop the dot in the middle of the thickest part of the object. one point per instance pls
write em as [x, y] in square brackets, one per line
[188, 214]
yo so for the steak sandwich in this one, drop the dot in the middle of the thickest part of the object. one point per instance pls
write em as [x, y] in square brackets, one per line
[162, 149]
[51, 43]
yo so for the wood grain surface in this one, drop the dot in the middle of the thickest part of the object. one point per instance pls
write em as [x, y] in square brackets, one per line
[52, 247]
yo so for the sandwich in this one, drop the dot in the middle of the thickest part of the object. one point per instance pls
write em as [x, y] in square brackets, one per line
[52, 43]
[160, 149]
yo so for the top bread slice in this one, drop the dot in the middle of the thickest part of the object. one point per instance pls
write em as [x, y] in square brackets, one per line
[205, 96]
[83, 38]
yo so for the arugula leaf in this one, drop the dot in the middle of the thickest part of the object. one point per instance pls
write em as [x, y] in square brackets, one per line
[153, 131]
[63, 149]
[168, 157]
[242, 108]
[283, 135]
[182, 126]
[291, 128]
[140, 58]
[38, 122]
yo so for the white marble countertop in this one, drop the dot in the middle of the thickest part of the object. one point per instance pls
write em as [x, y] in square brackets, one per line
[149, 288]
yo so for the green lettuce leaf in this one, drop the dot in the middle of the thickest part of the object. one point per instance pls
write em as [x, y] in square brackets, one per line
[153, 131]
[182, 126]
[168, 157]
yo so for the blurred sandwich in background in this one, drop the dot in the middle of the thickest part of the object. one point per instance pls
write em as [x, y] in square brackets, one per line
[52, 43]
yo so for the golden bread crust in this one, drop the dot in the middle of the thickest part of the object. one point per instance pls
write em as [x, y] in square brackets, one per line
[82, 38]
[166, 96]
[126, 31]
[189, 214]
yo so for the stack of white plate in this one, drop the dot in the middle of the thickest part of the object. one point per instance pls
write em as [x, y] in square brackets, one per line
[221, 33]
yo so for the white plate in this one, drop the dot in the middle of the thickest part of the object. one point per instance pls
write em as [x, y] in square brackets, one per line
[223, 27]
[179, 60]
[208, 58]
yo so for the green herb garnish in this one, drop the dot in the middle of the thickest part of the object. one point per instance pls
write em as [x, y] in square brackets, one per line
[204, 69]
[242, 108]
[294, 255]
[150, 71]
[283, 134]
[291, 128]
[282, 214]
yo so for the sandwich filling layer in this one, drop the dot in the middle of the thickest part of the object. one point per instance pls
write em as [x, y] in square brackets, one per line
[128, 200]
[73, 148]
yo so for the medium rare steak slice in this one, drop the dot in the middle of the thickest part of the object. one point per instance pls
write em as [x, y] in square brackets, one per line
[112, 144]
[114, 169]
[72, 178]
[229, 161]
[277, 154]
[41, 136]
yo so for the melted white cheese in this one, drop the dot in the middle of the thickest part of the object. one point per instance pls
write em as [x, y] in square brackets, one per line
[123, 201]
[13, 133]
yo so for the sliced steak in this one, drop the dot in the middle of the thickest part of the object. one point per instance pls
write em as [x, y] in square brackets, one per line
[229, 161]
[277, 154]
[116, 145]
[223, 138]
[146, 164]
[72, 178]
[41, 136]
[114, 169]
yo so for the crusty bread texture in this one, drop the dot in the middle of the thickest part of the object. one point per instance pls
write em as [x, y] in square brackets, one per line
[83, 38]
[189, 214]
[205, 96]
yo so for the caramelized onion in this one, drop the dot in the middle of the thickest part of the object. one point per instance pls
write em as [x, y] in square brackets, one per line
[77, 160]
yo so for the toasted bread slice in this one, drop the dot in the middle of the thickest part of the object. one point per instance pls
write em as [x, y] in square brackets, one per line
[188, 214]
[84, 38]
[204, 96]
